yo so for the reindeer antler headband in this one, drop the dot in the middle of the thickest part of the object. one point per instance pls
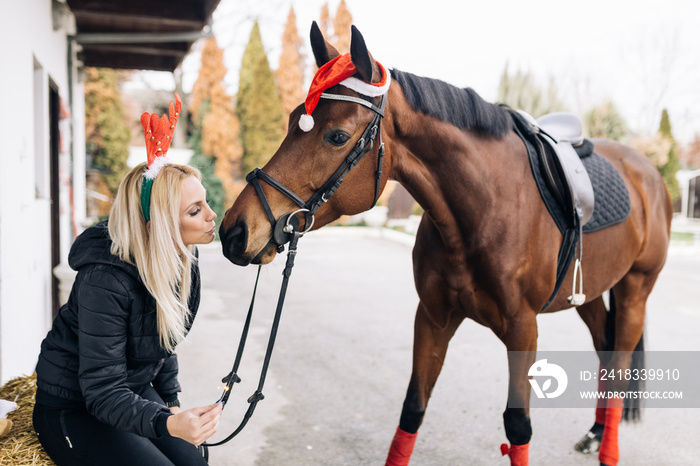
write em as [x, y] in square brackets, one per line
[159, 135]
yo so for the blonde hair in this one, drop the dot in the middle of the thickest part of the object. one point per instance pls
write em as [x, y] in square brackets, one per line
[164, 262]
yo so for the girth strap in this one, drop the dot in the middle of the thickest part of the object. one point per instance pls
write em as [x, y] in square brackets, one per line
[571, 233]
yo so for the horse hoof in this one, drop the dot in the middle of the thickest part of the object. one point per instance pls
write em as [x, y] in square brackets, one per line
[590, 443]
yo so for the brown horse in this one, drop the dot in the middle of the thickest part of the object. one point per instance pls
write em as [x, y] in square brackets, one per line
[486, 248]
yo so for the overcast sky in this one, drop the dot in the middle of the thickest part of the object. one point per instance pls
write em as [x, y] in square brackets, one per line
[643, 55]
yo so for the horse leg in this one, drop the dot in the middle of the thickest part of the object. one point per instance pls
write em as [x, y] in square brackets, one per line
[595, 315]
[521, 342]
[429, 348]
[628, 301]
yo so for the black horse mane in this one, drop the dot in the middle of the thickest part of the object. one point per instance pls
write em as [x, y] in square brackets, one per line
[463, 108]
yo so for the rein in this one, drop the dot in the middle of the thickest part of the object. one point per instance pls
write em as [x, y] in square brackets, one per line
[233, 377]
[286, 230]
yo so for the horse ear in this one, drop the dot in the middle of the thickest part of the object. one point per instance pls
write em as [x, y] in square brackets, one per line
[361, 57]
[323, 51]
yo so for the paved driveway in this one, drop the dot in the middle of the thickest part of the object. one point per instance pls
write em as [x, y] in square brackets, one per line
[343, 358]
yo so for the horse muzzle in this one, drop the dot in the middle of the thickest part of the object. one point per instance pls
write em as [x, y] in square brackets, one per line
[234, 244]
[235, 240]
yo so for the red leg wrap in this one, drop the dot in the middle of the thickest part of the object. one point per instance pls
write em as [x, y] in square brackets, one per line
[609, 453]
[519, 454]
[401, 448]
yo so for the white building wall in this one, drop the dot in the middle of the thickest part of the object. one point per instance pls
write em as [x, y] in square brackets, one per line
[78, 158]
[31, 53]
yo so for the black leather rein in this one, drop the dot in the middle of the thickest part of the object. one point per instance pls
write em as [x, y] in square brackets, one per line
[286, 230]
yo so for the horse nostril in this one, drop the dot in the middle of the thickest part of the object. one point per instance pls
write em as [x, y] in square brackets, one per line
[235, 241]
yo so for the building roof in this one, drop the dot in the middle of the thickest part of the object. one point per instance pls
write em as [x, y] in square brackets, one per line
[137, 34]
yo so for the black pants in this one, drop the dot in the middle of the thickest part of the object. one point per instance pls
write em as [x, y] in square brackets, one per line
[74, 437]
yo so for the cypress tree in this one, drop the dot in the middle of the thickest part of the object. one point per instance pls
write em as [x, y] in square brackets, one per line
[258, 105]
[290, 73]
[669, 169]
[207, 167]
[216, 123]
[341, 28]
[107, 133]
[324, 20]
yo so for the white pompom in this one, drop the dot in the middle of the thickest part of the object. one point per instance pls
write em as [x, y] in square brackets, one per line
[306, 123]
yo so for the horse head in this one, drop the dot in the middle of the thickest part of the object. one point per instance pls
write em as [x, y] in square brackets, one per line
[301, 175]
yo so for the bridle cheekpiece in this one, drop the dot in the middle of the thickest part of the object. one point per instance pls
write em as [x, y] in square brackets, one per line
[340, 71]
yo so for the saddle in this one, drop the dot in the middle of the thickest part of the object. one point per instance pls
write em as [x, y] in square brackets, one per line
[563, 134]
[551, 142]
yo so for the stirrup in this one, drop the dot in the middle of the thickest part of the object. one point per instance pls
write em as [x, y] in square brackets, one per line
[577, 299]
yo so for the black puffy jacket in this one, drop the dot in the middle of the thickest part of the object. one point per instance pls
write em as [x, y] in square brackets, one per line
[103, 347]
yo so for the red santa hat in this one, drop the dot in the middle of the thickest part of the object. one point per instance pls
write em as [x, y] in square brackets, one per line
[340, 70]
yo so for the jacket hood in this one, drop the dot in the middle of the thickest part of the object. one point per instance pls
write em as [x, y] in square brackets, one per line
[93, 247]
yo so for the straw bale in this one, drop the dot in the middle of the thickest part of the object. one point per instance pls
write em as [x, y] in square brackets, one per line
[21, 445]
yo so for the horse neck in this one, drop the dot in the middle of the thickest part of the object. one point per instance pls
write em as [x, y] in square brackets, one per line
[445, 169]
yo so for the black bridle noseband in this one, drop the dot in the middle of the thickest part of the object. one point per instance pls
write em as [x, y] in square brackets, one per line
[286, 230]
[324, 193]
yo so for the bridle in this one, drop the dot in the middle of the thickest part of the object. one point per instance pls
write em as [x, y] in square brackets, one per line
[324, 193]
[286, 230]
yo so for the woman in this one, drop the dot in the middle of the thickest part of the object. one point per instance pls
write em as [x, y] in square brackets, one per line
[107, 375]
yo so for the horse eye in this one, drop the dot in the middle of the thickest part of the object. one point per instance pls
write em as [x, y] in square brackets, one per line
[338, 138]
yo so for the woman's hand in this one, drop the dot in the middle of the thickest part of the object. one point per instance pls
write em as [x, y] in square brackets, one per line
[195, 425]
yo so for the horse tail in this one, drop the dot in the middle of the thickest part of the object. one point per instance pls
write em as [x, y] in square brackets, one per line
[631, 411]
